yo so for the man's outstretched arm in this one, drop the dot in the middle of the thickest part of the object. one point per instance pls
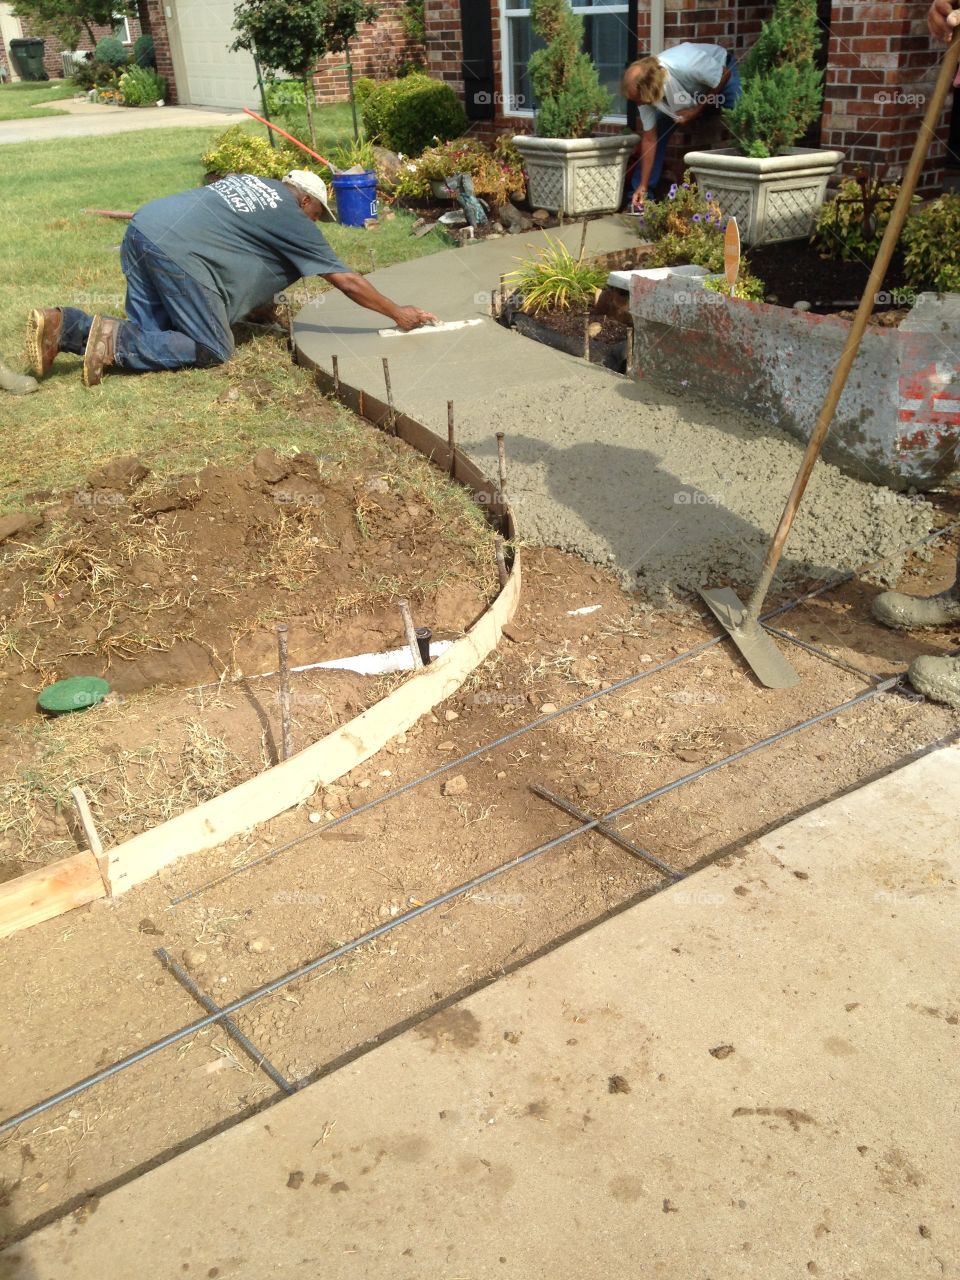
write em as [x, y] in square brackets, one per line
[359, 290]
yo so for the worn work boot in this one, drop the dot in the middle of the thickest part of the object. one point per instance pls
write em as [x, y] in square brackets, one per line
[43, 339]
[937, 678]
[904, 613]
[18, 384]
[99, 353]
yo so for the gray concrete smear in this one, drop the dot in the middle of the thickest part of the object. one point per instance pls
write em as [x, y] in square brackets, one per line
[669, 491]
[751, 1076]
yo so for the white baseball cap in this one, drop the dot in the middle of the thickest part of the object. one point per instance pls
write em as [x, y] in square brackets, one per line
[312, 185]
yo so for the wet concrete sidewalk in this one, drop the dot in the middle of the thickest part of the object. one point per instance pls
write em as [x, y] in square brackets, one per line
[97, 119]
[751, 1075]
[670, 491]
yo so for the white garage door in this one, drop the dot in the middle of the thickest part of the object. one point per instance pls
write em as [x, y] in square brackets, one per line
[214, 76]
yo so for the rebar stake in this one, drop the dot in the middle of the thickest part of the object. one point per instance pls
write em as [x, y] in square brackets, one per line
[501, 562]
[586, 337]
[424, 636]
[503, 296]
[286, 732]
[392, 420]
[630, 338]
[501, 463]
[451, 445]
[410, 632]
[291, 341]
[86, 821]
[335, 364]
[583, 240]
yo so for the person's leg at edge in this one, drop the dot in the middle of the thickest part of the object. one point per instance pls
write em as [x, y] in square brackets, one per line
[935, 677]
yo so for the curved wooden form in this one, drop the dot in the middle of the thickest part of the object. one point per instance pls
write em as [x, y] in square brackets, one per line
[74, 881]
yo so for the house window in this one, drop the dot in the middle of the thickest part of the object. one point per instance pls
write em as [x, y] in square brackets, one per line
[121, 29]
[605, 39]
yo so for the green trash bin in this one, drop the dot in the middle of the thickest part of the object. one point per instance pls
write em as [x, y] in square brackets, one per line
[26, 55]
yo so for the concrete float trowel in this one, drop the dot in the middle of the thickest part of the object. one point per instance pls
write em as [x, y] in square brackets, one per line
[742, 622]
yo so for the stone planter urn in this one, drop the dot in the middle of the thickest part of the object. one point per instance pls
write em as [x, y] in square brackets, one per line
[772, 198]
[576, 176]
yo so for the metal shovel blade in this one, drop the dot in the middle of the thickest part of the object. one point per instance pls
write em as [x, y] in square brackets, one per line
[763, 657]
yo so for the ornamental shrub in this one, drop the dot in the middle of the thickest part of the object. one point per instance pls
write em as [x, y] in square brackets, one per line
[408, 114]
[144, 51]
[496, 172]
[237, 151]
[851, 225]
[782, 88]
[141, 87]
[93, 74]
[569, 98]
[111, 51]
[931, 242]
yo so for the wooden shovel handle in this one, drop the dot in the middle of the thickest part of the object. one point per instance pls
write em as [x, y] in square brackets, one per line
[858, 325]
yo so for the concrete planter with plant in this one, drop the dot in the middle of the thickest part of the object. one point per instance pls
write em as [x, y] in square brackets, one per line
[771, 186]
[568, 169]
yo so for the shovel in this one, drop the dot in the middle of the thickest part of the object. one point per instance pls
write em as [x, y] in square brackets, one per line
[742, 623]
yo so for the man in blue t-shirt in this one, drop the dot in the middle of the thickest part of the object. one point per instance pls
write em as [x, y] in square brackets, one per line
[197, 263]
[672, 90]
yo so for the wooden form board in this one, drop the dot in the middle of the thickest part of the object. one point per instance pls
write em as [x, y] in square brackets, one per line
[49, 891]
[78, 880]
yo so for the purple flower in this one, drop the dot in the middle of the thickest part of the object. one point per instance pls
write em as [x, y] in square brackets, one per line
[709, 195]
[686, 186]
[673, 191]
[696, 217]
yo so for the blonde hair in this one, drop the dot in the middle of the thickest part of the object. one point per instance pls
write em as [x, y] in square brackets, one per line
[644, 81]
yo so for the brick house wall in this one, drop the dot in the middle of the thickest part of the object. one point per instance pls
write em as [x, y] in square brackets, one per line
[152, 16]
[52, 48]
[379, 51]
[880, 67]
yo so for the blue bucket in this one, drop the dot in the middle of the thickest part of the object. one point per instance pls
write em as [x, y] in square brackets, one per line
[356, 197]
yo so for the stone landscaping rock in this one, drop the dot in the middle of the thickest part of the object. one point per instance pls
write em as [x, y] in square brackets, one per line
[515, 219]
[455, 786]
[118, 473]
[269, 466]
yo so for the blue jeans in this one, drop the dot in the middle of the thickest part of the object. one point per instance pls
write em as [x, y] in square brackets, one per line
[666, 125]
[173, 322]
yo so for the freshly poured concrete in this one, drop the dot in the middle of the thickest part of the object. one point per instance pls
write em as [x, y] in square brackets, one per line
[667, 490]
[753, 1074]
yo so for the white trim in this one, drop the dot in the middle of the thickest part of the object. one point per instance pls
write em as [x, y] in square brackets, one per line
[117, 19]
[506, 59]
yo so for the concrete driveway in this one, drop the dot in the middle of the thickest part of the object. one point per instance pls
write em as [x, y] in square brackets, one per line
[88, 119]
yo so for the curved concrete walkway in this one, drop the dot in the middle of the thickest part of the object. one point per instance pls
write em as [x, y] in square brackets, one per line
[667, 490]
[751, 1076]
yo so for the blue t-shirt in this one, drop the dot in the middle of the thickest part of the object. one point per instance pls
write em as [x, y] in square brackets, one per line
[243, 237]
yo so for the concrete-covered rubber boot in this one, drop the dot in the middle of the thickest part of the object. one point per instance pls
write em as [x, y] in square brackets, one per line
[18, 384]
[937, 679]
[906, 613]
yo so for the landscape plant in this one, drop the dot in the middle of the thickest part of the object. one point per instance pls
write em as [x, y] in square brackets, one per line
[111, 51]
[295, 37]
[141, 87]
[409, 113]
[236, 150]
[497, 171]
[931, 244]
[144, 51]
[554, 280]
[851, 225]
[95, 75]
[782, 86]
[568, 96]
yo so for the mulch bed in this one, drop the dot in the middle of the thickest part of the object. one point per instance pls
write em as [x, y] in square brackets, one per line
[795, 272]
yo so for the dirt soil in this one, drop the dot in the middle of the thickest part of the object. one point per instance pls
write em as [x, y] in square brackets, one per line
[172, 592]
[87, 988]
[795, 272]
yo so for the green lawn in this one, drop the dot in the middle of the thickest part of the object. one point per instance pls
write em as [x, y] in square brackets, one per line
[18, 101]
[51, 254]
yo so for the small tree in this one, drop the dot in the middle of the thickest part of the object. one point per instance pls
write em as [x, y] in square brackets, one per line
[67, 19]
[782, 87]
[570, 100]
[294, 35]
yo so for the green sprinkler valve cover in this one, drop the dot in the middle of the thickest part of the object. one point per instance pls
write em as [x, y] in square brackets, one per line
[74, 694]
